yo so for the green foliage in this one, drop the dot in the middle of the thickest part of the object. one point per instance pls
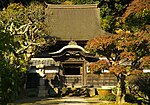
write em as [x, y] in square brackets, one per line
[139, 86]
[127, 15]
[22, 34]
[109, 97]
[9, 77]
[26, 25]
[9, 81]
[114, 90]
[84, 1]
[110, 13]
[130, 98]
[136, 21]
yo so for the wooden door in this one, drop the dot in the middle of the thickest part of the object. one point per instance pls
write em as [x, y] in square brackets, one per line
[73, 74]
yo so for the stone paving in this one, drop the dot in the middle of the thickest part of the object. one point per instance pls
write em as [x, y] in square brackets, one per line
[56, 101]
[74, 101]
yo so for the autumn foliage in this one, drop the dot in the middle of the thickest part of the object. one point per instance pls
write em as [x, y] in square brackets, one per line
[124, 54]
[125, 51]
[136, 6]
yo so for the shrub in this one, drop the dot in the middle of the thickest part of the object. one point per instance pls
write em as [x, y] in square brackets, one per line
[114, 90]
[109, 97]
[139, 86]
[130, 98]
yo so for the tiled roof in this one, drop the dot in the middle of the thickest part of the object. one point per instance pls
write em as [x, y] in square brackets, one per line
[73, 22]
[45, 61]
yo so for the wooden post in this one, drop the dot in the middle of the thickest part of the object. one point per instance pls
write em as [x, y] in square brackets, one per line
[84, 73]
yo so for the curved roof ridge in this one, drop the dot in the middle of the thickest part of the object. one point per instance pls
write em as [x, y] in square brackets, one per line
[75, 46]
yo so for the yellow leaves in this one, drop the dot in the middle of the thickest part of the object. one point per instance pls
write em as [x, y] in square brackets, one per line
[15, 6]
[117, 23]
[68, 3]
[14, 9]
[23, 70]
[41, 41]
[119, 31]
[21, 61]
[128, 32]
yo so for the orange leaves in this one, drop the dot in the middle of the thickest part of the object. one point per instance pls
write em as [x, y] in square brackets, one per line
[125, 39]
[122, 69]
[92, 44]
[100, 43]
[128, 55]
[93, 67]
[117, 69]
[103, 64]
[145, 62]
[99, 65]
[124, 52]
[136, 6]
[136, 72]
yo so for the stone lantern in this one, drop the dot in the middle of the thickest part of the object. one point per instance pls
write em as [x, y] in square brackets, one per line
[41, 72]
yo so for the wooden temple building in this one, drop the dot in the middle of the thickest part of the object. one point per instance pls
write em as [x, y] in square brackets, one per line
[73, 26]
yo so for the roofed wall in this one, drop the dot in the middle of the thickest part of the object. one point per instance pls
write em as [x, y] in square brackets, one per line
[73, 22]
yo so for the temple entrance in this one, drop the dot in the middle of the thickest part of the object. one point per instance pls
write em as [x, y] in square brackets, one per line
[72, 69]
[73, 74]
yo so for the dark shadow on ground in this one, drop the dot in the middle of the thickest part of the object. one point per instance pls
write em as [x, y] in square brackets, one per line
[55, 101]
[34, 99]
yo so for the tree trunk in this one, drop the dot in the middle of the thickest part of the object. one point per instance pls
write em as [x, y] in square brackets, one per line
[121, 89]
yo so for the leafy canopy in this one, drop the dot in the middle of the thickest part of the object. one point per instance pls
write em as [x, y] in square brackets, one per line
[22, 35]
[125, 52]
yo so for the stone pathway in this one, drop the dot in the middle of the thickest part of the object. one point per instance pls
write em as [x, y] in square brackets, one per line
[53, 101]
[74, 101]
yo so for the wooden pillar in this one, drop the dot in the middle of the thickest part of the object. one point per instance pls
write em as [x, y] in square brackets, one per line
[84, 73]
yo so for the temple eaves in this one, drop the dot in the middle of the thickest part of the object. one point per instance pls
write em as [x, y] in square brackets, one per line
[71, 45]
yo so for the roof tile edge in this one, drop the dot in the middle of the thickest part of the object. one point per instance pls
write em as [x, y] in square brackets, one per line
[60, 6]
